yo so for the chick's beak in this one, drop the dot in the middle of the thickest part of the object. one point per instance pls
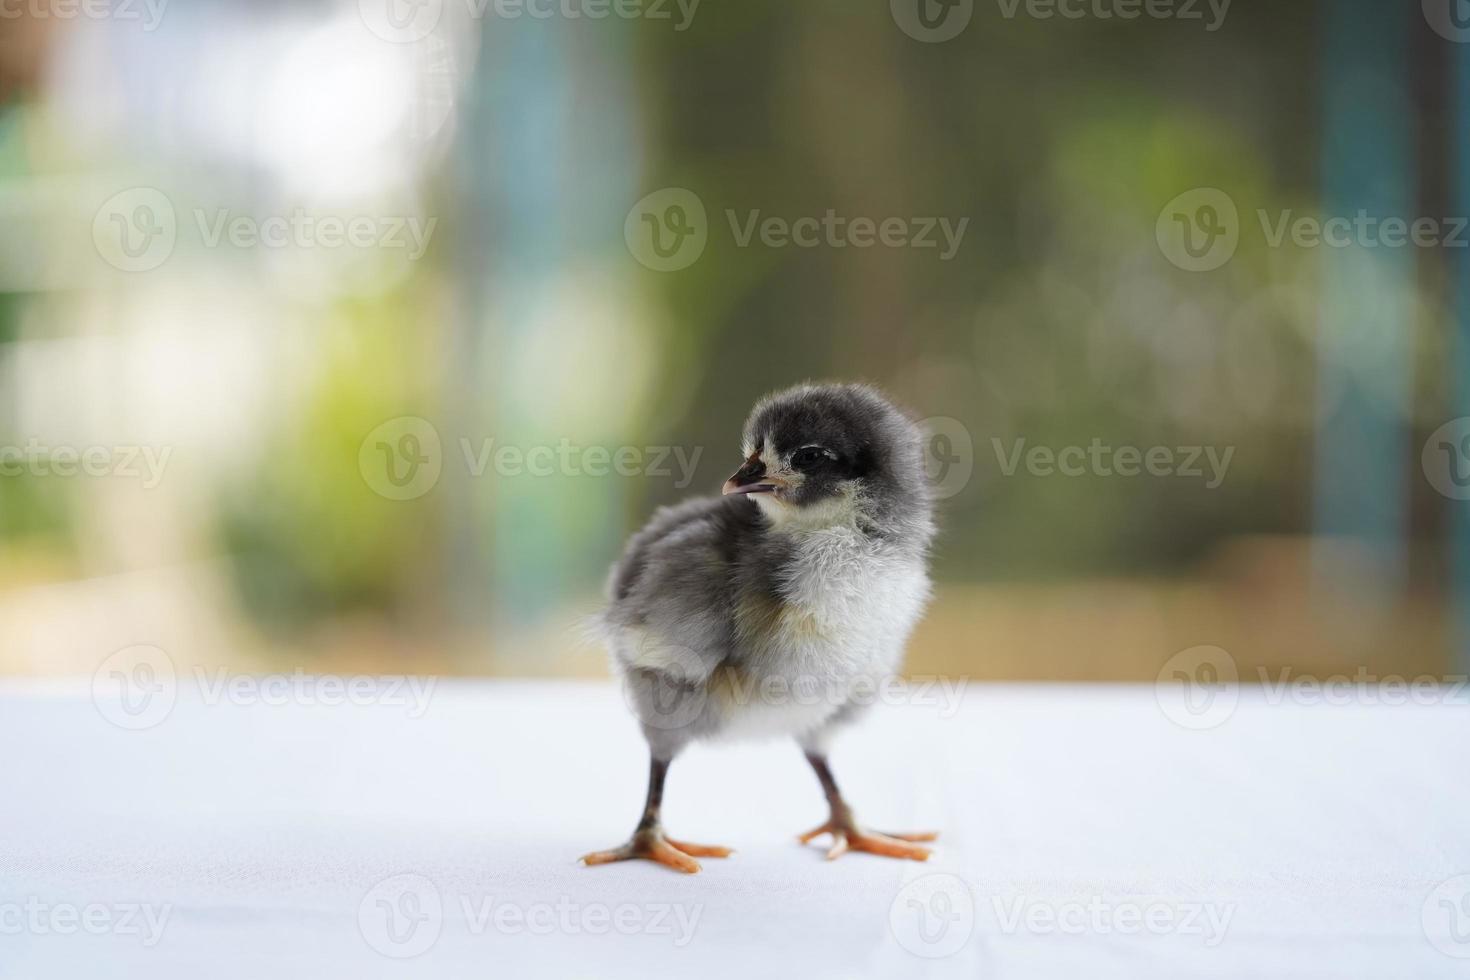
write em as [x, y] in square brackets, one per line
[751, 478]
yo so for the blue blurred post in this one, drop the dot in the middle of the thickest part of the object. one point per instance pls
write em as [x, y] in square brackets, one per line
[1459, 366]
[547, 134]
[532, 92]
[510, 243]
[1364, 369]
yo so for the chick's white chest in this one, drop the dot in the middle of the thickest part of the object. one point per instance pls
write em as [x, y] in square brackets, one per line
[849, 604]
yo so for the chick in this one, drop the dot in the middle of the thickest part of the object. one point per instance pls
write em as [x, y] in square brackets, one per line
[777, 608]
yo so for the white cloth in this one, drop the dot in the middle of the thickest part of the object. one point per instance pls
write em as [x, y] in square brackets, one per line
[1084, 834]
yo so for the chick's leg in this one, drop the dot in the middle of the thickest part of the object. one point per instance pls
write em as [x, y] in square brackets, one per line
[847, 835]
[649, 842]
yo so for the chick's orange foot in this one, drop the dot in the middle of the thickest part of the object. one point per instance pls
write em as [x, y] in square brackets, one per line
[847, 836]
[652, 845]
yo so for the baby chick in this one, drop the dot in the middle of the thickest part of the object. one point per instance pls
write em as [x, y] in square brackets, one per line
[777, 608]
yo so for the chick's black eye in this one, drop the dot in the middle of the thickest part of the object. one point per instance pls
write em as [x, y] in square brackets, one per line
[809, 456]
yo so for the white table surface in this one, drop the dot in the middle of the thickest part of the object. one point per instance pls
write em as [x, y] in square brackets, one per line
[1290, 841]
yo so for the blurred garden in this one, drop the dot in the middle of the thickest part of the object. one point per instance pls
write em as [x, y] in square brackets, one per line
[333, 342]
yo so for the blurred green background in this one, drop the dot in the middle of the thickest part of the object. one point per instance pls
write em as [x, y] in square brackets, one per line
[171, 286]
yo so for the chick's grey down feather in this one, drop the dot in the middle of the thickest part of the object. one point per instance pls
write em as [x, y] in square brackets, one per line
[765, 613]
